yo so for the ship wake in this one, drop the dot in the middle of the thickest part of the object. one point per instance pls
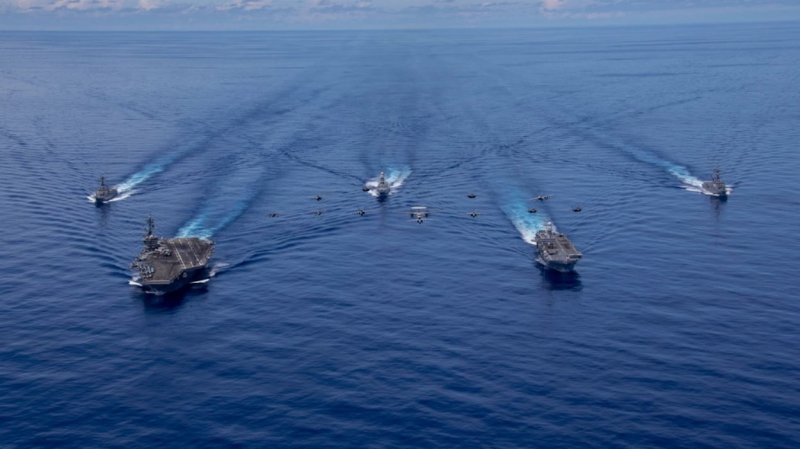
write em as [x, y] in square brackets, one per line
[121, 196]
[527, 223]
[688, 181]
[396, 177]
[232, 198]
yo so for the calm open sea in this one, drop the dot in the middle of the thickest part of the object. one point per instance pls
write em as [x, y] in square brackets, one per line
[323, 328]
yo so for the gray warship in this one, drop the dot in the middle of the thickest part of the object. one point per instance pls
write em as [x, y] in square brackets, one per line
[381, 189]
[555, 251]
[166, 265]
[104, 193]
[715, 187]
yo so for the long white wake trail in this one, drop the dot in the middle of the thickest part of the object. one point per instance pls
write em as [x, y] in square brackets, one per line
[230, 198]
[121, 196]
[516, 209]
[688, 181]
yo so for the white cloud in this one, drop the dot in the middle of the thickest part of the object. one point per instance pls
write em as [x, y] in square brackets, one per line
[338, 5]
[26, 4]
[552, 5]
[244, 5]
[149, 5]
[583, 9]
[85, 5]
[75, 5]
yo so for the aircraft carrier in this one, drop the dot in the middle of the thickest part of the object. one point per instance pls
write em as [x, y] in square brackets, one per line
[166, 265]
[555, 251]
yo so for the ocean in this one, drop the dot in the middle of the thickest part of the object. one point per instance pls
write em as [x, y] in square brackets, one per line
[323, 328]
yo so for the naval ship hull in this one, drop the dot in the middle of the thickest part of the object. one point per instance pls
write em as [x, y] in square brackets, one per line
[104, 193]
[561, 267]
[104, 197]
[715, 190]
[101, 201]
[168, 265]
[162, 287]
[554, 250]
[716, 186]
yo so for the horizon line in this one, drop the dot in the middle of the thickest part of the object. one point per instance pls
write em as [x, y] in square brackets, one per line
[407, 28]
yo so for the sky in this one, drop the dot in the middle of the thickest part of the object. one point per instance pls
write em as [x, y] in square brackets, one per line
[376, 14]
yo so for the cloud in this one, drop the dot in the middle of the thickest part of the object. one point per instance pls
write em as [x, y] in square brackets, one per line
[149, 5]
[551, 5]
[82, 5]
[244, 5]
[588, 9]
[374, 13]
[85, 5]
[332, 6]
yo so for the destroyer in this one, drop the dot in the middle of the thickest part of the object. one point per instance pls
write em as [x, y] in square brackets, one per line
[166, 265]
[715, 187]
[104, 193]
[554, 249]
[382, 188]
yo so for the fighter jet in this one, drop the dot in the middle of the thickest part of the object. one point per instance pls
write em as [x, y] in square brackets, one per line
[420, 213]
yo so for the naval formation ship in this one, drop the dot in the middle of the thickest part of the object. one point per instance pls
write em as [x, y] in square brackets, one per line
[716, 186]
[166, 265]
[104, 193]
[555, 251]
[382, 189]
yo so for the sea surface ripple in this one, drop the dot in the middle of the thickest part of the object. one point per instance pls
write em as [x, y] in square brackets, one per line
[324, 328]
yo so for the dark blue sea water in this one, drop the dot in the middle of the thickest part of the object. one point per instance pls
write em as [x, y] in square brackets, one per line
[680, 329]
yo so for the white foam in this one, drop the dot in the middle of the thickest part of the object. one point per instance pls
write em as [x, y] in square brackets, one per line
[217, 268]
[121, 196]
[527, 224]
[138, 178]
[692, 183]
[696, 185]
[395, 179]
[683, 175]
[195, 228]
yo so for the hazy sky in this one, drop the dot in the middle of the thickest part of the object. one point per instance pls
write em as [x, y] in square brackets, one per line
[304, 14]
